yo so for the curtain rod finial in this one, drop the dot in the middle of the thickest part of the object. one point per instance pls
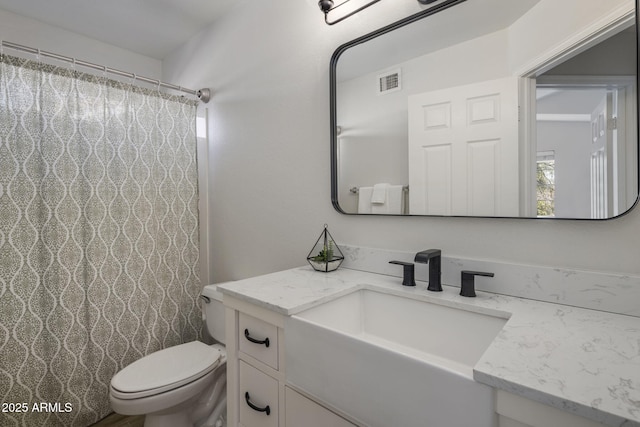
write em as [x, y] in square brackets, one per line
[204, 95]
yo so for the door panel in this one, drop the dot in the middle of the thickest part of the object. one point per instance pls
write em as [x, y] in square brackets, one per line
[463, 150]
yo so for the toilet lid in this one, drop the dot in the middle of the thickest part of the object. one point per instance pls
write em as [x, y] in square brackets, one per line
[167, 369]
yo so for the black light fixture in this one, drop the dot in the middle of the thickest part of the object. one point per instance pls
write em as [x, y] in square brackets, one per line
[327, 6]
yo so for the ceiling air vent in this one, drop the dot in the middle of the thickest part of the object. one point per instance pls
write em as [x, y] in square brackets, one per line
[389, 82]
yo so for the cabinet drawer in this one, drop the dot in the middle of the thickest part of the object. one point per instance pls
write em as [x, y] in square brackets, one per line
[258, 398]
[300, 411]
[518, 411]
[258, 339]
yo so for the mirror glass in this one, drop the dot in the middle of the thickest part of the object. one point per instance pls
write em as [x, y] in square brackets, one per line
[530, 111]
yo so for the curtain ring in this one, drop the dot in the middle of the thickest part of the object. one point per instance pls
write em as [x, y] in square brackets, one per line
[38, 56]
[133, 78]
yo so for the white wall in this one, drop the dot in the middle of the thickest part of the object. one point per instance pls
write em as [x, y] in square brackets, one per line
[29, 32]
[268, 64]
[570, 143]
[551, 22]
[609, 58]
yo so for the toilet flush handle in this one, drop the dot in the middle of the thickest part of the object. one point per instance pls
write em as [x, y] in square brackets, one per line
[205, 298]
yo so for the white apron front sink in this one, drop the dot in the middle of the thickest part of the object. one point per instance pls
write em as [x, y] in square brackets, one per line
[388, 360]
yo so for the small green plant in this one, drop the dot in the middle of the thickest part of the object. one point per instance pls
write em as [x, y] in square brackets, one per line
[326, 254]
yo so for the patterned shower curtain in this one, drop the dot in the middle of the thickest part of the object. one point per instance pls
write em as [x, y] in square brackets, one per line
[98, 237]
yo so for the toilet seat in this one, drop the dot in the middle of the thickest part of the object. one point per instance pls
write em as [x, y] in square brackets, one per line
[165, 370]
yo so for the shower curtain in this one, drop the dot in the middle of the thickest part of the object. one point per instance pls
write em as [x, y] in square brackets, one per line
[98, 237]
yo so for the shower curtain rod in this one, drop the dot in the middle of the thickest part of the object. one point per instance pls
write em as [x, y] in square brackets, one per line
[203, 94]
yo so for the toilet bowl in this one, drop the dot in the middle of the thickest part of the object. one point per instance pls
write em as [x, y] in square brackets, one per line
[180, 386]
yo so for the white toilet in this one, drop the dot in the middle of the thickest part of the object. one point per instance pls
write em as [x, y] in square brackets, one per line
[181, 386]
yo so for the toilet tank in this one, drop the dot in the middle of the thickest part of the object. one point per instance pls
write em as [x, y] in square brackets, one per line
[214, 313]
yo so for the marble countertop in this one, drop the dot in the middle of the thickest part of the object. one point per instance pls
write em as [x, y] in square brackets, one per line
[583, 361]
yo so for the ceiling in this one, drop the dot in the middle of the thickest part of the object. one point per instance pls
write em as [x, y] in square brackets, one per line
[149, 27]
[447, 28]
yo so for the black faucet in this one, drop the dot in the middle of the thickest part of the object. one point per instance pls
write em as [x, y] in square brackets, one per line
[467, 285]
[431, 256]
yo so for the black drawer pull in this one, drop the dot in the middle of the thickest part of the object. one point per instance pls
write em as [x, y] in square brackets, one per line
[247, 398]
[253, 340]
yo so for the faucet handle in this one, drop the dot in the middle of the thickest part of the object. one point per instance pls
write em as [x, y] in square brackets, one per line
[467, 288]
[408, 272]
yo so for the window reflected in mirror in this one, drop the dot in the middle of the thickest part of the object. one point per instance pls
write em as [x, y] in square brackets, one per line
[545, 184]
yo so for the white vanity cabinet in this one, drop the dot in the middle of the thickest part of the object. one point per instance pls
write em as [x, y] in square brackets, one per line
[516, 411]
[256, 392]
[270, 306]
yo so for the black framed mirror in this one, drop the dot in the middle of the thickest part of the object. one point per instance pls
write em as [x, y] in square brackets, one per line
[529, 112]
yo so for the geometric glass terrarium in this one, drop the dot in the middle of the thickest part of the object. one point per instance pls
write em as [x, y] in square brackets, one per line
[325, 255]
